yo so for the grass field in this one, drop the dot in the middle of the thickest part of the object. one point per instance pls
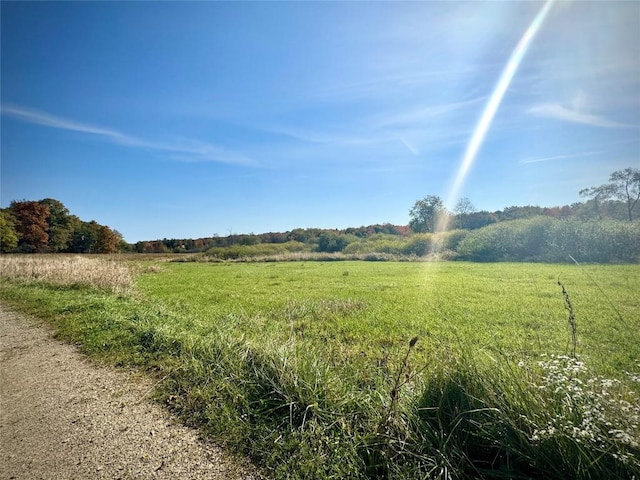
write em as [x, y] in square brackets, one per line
[310, 367]
[365, 308]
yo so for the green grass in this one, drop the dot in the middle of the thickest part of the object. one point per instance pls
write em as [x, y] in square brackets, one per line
[307, 367]
[367, 308]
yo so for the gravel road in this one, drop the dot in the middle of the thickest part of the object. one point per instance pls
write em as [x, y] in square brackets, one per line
[63, 417]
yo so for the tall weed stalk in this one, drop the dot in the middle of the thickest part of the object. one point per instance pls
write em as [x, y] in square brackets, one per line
[572, 319]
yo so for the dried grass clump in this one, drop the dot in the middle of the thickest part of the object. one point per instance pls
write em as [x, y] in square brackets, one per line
[102, 273]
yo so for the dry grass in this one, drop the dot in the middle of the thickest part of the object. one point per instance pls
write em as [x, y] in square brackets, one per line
[104, 273]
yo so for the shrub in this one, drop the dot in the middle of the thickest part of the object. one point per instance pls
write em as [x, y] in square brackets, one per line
[594, 241]
[379, 243]
[451, 239]
[238, 251]
[419, 245]
[334, 242]
[547, 239]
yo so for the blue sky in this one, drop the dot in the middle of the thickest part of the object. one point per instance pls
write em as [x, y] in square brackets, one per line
[184, 120]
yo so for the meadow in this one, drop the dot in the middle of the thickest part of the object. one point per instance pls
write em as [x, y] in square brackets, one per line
[363, 310]
[377, 369]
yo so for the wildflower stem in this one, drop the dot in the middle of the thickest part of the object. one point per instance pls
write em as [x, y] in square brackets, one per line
[572, 319]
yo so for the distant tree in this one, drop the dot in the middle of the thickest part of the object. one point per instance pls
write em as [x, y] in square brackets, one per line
[402, 230]
[85, 236]
[31, 225]
[107, 241]
[299, 235]
[8, 235]
[624, 185]
[586, 210]
[464, 207]
[391, 229]
[273, 237]
[516, 212]
[140, 247]
[424, 215]
[156, 246]
[334, 242]
[475, 220]
[60, 226]
[462, 210]
[249, 239]
[596, 208]
[563, 212]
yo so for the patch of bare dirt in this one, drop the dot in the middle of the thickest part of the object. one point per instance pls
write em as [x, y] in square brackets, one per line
[62, 417]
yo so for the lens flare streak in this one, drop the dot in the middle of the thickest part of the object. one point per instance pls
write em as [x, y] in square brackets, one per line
[492, 105]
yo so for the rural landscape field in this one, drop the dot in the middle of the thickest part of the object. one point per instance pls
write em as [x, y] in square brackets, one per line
[389, 240]
[370, 369]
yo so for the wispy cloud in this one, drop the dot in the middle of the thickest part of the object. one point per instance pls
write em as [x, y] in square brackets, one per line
[418, 115]
[303, 134]
[409, 146]
[324, 137]
[42, 118]
[560, 112]
[183, 149]
[414, 127]
[398, 81]
[559, 157]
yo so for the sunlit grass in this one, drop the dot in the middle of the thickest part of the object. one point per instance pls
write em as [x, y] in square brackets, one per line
[364, 309]
[313, 370]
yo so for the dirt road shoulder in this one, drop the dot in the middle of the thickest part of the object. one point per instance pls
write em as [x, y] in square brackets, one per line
[63, 417]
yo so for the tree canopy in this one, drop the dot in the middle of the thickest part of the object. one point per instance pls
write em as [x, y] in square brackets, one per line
[624, 185]
[46, 226]
[425, 213]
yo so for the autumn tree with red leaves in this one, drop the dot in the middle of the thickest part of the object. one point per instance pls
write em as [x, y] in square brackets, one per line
[31, 225]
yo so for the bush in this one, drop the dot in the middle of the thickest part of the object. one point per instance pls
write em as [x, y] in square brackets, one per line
[379, 243]
[419, 245]
[603, 241]
[236, 252]
[334, 242]
[545, 239]
[451, 239]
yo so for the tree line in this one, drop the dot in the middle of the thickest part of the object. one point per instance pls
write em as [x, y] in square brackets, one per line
[47, 226]
[616, 199]
[328, 240]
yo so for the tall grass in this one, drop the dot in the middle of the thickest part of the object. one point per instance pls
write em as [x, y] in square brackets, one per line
[463, 415]
[68, 270]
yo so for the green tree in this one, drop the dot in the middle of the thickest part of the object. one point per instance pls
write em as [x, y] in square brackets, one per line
[85, 236]
[60, 225]
[463, 209]
[475, 220]
[334, 242]
[624, 185]
[8, 235]
[516, 212]
[425, 213]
